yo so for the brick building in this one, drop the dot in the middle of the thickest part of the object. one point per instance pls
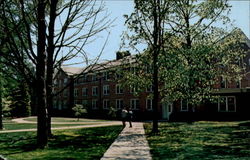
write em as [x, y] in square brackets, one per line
[97, 88]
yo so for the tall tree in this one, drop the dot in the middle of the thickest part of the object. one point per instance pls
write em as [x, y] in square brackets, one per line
[62, 29]
[185, 51]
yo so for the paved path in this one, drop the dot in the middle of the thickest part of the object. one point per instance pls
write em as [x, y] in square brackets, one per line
[131, 144]
[81, 125]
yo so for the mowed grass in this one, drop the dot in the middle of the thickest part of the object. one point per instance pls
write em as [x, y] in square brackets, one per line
[75, 144]
[10, 125]
[200, 140]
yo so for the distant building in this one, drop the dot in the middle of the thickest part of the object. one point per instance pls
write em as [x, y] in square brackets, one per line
[97, 88]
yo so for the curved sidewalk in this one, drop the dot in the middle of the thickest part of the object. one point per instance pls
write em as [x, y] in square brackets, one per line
[131, 144]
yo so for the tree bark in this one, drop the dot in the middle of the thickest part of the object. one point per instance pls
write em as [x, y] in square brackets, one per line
[156, 50]
[50, 63]
[42, 129]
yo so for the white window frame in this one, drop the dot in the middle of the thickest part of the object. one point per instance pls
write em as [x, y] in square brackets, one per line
[94, 104]
[85, 91]
[75, 92]
[94, 91]
[132, 89]
[119, 105]
[94, 77]
[225, 81]
[238, 81]
[118, 89]
[149, 105]
[136, 107]
[235, 107]
[106, 90]
[106, 103]
[105, 75]
[184, 110]
[149, 89]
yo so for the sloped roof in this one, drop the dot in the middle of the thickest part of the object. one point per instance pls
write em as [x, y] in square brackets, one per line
[96, 67]
[72, 70]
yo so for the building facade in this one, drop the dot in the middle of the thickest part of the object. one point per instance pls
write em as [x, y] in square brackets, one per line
[97, 88]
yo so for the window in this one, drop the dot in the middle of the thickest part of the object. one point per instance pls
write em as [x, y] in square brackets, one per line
[54, 104]
[133, 89]
[238, 83]
[106, 104]
[106, 90]
[84, 103]
[223, 83]
[75, 92]
[227, 104]
[133, 70]
[150, 88]
[118, 75]
[94, 91]
[149, 104]
[65, 80]
[119, 103]
[82, 79]
[94, 104]
[105, 75]
[119, 89]
[59, 105]
[65, 104]
[94, 77]
[84, 91]
[184, 105]
[65, 93]
[134, 103]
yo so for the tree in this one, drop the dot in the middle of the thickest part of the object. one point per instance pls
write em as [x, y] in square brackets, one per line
[56, 26]
[185, 52]
[79, 110]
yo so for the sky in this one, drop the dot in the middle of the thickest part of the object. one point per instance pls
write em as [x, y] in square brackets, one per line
[240, 14]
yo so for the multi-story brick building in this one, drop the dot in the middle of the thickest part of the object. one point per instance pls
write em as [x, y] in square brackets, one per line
[97, 88]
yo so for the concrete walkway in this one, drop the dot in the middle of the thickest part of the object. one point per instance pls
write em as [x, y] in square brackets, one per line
[131, 144]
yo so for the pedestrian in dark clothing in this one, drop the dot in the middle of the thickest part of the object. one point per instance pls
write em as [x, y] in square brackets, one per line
[129, 116]
[124, 115]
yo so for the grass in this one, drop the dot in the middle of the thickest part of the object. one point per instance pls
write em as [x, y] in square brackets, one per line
[60, 119]
[200, 140]
[87, 144]
[10, 125]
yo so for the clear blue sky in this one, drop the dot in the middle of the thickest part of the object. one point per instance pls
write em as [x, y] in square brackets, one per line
[117, 8]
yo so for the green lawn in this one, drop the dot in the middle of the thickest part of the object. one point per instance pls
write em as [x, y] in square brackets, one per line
[200, 140]
[10, 125]
[87, 144]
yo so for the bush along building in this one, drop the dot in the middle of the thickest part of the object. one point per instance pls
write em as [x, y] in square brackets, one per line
[98, 89]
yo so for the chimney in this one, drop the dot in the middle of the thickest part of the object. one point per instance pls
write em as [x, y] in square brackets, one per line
[122, 54]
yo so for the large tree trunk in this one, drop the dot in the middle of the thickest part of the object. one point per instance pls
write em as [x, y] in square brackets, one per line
[156, 50]
[50, 62]
[42, 129]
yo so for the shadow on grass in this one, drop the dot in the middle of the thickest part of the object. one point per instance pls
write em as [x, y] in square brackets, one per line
[81, 144]
[201, 140]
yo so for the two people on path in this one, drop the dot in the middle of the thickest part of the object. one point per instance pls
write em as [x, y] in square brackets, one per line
[126, 116]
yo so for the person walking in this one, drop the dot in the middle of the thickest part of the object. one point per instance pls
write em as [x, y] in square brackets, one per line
[129, 116]
[124, 115]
